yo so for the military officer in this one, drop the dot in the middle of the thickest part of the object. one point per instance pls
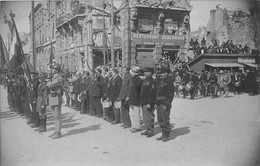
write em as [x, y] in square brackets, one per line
[163, 99]
[147, 101]
[42, 93]
[55, 98]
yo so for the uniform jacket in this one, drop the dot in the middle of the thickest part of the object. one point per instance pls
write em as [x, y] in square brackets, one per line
[96, 86]
[135, 90]
[77, 86]
[114, 88]
[56, 87]
[148, 91]
[213, 78]
[42, 94]
[87, 81]
[203, 77]
[164, 91]
[125, 88]
[186, 78]
[106, 84]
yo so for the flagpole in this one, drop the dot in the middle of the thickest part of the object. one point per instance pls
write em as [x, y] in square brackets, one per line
[33, 36]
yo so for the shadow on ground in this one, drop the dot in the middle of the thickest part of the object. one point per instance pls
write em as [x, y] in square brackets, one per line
[8, 114]
[82, 130]
[179, 132]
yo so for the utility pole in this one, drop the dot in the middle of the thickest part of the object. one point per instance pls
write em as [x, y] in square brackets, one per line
[104, 34]
[33, 36]
[112, 34]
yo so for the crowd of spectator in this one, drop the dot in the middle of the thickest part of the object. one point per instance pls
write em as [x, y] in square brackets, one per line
[216, 48]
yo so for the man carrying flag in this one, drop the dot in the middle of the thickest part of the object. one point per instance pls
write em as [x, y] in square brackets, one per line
[17, 61]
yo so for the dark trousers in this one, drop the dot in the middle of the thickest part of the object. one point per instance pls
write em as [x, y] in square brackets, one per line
[192, 93]
[125, 113]
[96, 106]
[116, 113]
[163, 114]
[85, 104]
[19, 105]
[148, 117]
[67, 98]
[27, 109]
[10, 101]
[78, 104]
[35, 115]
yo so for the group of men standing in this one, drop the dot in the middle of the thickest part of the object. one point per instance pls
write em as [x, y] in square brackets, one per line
[29, 95]
[215, 82]
[106, 94]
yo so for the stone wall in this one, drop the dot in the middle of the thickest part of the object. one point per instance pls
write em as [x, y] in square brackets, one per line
[239, 27]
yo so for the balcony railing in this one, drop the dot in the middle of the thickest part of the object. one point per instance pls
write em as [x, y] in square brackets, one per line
[76, 9]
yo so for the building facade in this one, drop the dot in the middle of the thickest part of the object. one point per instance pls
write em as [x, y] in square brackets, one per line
[44, 30]
[152, 29]
[77, 32]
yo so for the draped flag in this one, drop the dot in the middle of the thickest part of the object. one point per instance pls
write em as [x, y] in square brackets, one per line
[3, 53]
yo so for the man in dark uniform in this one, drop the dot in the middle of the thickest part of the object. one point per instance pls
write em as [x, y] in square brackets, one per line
[126, 82]
[85, 88]
[194, 82]
[76, 90]
[106, 84]
[42, 94]
[95, 94]
[186, 80]
[113, 93]
[35, 114]
[147, 101]
[55, 98]
[213, 80]
[203, 83]
[163, 99]
[26, 100]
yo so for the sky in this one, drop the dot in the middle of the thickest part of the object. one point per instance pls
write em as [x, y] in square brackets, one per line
[199, 14]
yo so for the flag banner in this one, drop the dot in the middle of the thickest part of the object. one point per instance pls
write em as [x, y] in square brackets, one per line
[3, 53]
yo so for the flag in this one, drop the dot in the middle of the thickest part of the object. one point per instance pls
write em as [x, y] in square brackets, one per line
[16, 56]
[3, 53]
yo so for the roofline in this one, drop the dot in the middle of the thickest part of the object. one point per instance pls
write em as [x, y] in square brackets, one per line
[168, 8]
[222, 55]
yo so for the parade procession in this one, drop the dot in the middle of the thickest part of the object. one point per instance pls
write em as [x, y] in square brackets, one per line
[136, 66]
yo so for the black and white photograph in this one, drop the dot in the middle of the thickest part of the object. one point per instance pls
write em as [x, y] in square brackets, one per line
[130, 83]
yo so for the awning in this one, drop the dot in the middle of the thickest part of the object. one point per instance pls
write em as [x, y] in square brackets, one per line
[224, 64]
[251, 64]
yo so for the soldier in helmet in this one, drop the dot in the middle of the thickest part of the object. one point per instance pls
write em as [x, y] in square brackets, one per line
[55, 98]
[163, 99]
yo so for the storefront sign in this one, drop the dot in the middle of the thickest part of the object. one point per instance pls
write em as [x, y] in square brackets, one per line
[151, 39]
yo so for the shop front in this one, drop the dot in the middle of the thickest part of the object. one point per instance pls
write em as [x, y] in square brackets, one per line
[148, 49]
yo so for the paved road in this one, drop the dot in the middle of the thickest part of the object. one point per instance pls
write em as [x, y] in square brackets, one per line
[206, 132]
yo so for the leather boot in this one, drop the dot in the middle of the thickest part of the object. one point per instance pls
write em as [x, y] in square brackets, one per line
[167, 137]
[41, 123]
[43, 129]
[161, 137]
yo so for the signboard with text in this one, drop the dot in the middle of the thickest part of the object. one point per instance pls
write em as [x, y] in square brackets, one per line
[151, 39]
